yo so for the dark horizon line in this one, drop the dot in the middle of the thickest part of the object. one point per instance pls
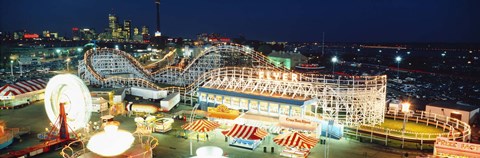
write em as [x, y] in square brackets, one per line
[307, 41]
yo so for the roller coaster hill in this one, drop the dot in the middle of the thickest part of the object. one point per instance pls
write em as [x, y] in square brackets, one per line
[355, 102]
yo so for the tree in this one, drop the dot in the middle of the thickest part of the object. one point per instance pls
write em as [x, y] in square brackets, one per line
[265, 49]
[4, 55]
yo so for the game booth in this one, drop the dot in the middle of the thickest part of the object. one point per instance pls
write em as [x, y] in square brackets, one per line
[447, 148]
[200, 127]
[248, 137]
[297, 144]
[163, 125]
[222, 114]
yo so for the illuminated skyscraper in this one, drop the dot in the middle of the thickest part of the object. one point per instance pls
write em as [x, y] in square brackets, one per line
[54, 35]
[112, 21]
[145, 30]
[127, 29]
[135, 31]
[87, 34]
[113, 26]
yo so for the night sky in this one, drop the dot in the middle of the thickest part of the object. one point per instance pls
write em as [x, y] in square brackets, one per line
[279, 20]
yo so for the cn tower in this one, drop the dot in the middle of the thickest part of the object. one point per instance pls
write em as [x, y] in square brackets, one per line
[158, 33]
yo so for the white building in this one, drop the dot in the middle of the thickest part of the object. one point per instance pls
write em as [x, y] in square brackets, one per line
[461, 111]
[119, 95]
[99, 104]
[147, 93]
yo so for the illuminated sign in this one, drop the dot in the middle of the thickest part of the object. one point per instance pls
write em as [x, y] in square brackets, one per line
[468, 147]
[285, 76]
[32, 35]
[298, 120]
[297, 123]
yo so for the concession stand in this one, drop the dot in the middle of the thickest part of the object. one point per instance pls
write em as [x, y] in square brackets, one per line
[248, 137]
[297, 144]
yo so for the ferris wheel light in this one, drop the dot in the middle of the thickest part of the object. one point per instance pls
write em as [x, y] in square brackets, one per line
[70, 90]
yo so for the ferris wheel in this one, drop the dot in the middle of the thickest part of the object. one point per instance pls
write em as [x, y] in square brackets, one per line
[70, 90]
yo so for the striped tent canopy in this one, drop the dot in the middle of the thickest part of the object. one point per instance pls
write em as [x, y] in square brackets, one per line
[22, 87]
[246, 132]
[201, 126]
[296, 140]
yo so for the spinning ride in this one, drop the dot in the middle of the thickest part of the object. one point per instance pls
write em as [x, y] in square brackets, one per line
[71, 91]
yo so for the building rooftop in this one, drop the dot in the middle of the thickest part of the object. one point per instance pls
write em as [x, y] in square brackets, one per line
[119, 91]
[299, 101]
[454, 105]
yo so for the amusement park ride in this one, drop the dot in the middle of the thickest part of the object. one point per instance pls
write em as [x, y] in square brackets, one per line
[55, 142]
[355, 102]
[59, 96]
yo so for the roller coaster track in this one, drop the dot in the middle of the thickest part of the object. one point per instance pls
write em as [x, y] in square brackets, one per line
[168, 57]
[352, 99]
[147, 78]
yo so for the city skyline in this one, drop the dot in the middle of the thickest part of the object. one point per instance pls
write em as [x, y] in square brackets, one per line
[406, 21]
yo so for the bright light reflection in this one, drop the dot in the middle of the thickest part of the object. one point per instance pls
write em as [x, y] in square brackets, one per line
[209, 152]
[334, 59]
[398, 59]
[405, 107]
[111, 142]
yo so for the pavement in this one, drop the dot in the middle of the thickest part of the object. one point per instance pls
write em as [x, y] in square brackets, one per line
[171, 146]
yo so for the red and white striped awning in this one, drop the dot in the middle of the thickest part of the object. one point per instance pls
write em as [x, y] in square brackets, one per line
[246, 132]
[22, 87]
[201, 126]
[296, 140]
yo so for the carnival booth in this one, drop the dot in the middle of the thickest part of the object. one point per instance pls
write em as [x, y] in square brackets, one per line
[23, 92]
[445, 147]
[200, 127]
[222, 114]
[297, 144]
[243, 136]
[99, 104]
[163, 125]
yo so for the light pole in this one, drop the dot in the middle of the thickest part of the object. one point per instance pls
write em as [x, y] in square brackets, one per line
[20, 64]
[334, 60]
[398, 59]
[405, 110]
[11, 67]
[443, 59]
[68, 61]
